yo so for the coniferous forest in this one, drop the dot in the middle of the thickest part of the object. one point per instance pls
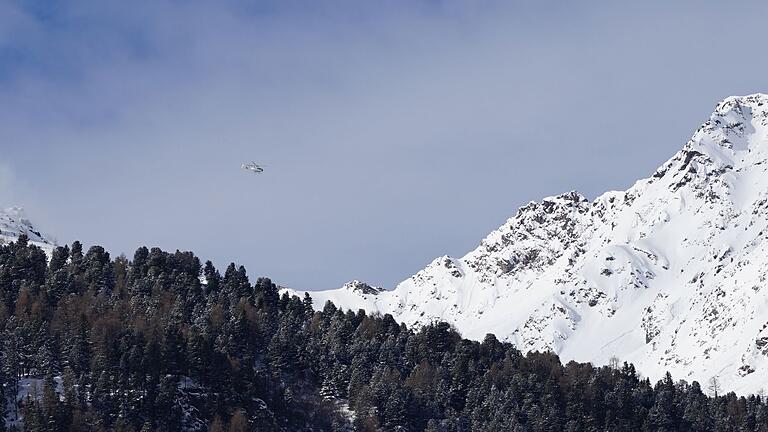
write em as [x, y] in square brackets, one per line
[164, 342]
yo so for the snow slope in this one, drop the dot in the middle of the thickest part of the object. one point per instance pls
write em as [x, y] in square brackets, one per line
[670, 274]
[14, 222]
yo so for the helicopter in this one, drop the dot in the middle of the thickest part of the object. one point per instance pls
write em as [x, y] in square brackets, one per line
[253, 167]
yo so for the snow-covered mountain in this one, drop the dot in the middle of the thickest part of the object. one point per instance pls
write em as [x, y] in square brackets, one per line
[670, 274]
[14, 222]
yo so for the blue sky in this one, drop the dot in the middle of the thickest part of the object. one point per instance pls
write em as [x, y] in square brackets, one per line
[394, 131]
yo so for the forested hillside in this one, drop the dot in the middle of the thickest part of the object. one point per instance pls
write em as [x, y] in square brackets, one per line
[165, 342]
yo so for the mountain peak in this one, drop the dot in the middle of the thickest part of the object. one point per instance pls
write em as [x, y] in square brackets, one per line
[752, 101]
[667, 274]
[735, 133]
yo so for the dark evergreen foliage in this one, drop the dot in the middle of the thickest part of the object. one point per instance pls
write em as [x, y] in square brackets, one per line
[143, 345]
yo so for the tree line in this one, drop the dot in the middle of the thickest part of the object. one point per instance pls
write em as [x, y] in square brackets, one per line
[165, 342]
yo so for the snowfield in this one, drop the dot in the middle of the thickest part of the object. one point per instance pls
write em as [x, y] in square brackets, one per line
[669, 274]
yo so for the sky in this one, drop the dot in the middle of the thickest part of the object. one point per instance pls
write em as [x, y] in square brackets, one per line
[393, 132]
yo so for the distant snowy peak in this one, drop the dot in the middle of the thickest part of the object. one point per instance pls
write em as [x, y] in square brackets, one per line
[14, 222]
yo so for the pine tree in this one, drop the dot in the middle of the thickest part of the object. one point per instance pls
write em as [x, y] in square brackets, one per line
[662, 415]
[76, 251]
[212, 278]
[3, 401]
[103, 399]
[69, 387]
[166, 406]
[11, 370]
[173, 350]
[52, 412]
[59, 258]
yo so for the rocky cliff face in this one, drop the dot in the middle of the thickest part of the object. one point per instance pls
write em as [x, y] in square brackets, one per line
[670, 274]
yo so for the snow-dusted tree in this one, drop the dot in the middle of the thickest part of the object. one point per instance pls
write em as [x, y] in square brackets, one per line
[614, 363]
[713, 385]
